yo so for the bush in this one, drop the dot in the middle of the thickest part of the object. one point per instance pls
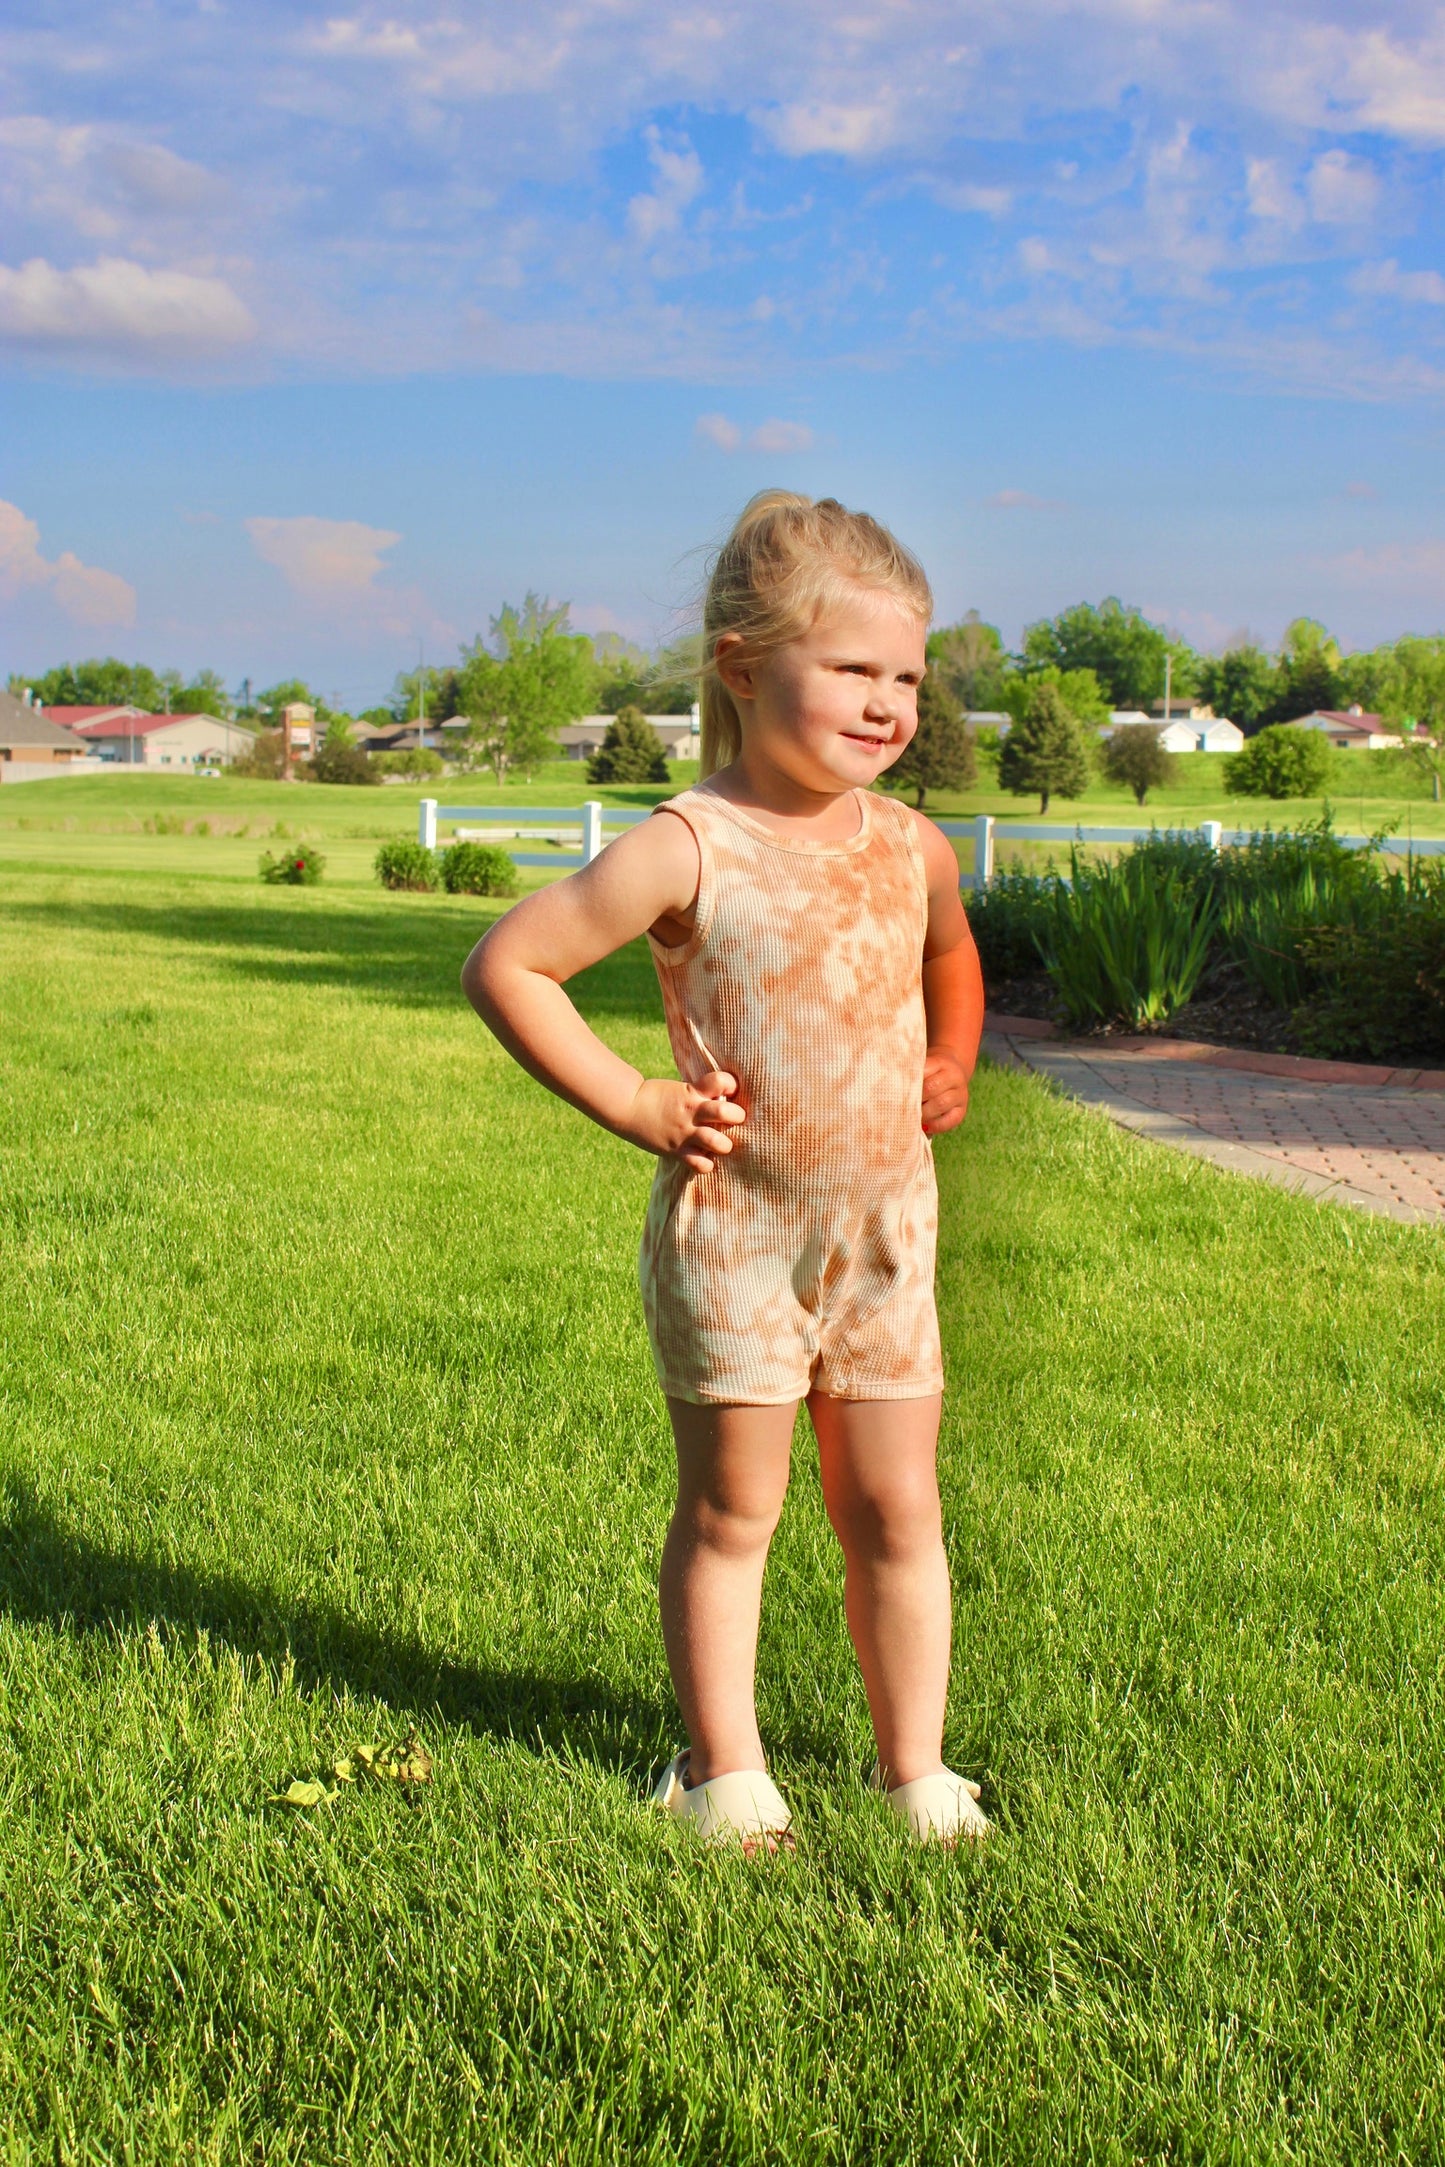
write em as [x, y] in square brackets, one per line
[299, 866]
[265, 762]
[1126, 940]
[1135, 757]
[407, 865]
[343, 763]
[1283, 761]
[1380, 985]
[1008, 919]
[417, 763]
[478, 869]
[631, 752]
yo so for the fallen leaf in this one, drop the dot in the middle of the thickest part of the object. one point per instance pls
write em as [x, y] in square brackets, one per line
[304, 1794]
[343, 1772]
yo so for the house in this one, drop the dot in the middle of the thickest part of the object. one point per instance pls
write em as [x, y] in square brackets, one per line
[679, 735]
[126, 737]
[31, 738]
[1188, 729]
[1350, 728]
[409, 736]
[989, 718]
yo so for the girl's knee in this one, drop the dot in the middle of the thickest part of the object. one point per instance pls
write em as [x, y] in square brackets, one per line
[890, 1521]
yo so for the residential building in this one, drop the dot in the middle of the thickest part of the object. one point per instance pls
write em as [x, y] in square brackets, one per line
[1351, 729]
[126, 737]
[1189, 728]
[679, 735]
[30, 738]
[989, 718]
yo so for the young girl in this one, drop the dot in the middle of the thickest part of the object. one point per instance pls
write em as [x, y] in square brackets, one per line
[824, 1005]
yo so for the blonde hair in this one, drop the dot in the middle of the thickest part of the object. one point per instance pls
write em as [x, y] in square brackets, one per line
[787, 561]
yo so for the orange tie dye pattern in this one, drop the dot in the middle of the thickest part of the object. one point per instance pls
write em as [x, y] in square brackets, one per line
[803, 1260]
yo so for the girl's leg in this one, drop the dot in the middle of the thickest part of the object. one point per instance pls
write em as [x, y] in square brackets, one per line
[880, 1484]
[732, 1475]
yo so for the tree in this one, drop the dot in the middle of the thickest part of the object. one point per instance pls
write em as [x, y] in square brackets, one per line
[266, 761]
[339, 759]
[443, 689]
[531, 677]
[1080, 691]
[1125, 652]
[1046, 750]
[1411, 696]
[1282, 761]
[101, 682]
[940, 754]
[970, 660]
[204, 695]
[1135, 756]
[1242, 683]
[631, 752]
[1308, 673]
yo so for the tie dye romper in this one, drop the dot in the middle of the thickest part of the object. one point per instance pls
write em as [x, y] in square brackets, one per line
[803, 1260]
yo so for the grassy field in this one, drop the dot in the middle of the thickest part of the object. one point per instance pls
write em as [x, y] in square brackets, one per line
[325, 1411]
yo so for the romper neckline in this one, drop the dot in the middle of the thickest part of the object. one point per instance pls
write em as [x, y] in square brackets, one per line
[809, 846]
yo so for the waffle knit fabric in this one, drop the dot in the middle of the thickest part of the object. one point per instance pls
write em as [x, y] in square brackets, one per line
[803, 1260]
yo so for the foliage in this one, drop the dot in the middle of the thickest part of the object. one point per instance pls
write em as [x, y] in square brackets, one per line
[299, 865]
[405, 864]
[940, 754]
[1009, 918]
[442, 687]
[1126, 940]
[266, 760]
[1134, 755]
[1125, 652]
[661, 684]
[339, 759]
[1047, 749]
[100, 682]
[534, 677]
[1410, 694]
[1080, 691]
[205, 694]
[477, 869]
[1281, 761]
[1379, 975]
[631, 752]
[1307, 674]
[417, 763]
[970, 660]
[1240, 683]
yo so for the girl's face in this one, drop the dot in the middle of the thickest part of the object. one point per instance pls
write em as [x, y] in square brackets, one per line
[835, 708]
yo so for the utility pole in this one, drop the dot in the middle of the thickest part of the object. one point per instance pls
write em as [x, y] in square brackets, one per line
[1168, 679]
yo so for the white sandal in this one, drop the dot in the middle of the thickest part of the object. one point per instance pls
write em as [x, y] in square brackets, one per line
[944, 1806]
[744, 1803]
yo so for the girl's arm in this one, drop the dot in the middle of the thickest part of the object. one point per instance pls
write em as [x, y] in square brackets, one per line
[515, 974]
[952, 988]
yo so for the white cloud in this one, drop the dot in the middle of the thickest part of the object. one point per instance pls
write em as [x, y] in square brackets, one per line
[781, 437]
[845, 131]
[1342, 190]
[679, 182]
[1270, 194]
[967, 196]
[1388, 279]
[1022, 500]
[114, 303]
[775, 438]
[323, 560]
[717, 430]
[1409, 567]
[87, 595]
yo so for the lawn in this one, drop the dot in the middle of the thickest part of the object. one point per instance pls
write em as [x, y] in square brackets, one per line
[325, 1411]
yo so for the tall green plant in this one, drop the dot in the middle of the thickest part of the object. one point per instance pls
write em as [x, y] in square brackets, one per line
[1126, 942]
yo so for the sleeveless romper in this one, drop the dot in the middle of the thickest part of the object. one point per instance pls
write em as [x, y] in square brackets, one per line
[803, 1260]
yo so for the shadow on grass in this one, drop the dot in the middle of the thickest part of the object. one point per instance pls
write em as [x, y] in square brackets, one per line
[405, 950]
[50, 1575]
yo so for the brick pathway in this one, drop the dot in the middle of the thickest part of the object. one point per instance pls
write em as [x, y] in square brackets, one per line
[1379, 1146]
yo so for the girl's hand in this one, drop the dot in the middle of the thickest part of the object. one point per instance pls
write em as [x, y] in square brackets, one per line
[685, 1121]
[945, 1091]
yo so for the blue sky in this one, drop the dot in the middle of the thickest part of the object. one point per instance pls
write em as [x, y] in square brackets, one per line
[323, 333]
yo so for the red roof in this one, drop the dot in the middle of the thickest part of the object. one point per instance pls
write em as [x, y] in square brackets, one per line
[127, 722]
[71, 718]
[1352, 718]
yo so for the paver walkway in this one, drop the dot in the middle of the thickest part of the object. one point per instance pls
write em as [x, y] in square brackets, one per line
[1379, 1146]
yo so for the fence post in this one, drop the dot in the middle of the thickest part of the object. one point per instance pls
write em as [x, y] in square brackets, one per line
[1213, 833]
[591, 829]
[982, 851]
[426, 826]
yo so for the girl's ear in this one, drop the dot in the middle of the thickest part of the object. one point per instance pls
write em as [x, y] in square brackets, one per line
[736, 674]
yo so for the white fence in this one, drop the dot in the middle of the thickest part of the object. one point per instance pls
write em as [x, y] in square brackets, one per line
[512, 822]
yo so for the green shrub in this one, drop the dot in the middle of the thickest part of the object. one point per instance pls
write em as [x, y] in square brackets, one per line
[1135, 756]
[1127, 941]
[478, 869]
[299, 866]
[1379, 977]
[1274, 890]
[1283, 761]
[417, 763]
[407, 865]
[266, 760]
[630, 752]
[1008, 919]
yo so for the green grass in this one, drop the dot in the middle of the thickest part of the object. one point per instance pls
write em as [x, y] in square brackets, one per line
[325, 1409]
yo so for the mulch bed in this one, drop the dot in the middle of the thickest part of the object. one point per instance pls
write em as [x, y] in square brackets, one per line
[1226, 1011]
